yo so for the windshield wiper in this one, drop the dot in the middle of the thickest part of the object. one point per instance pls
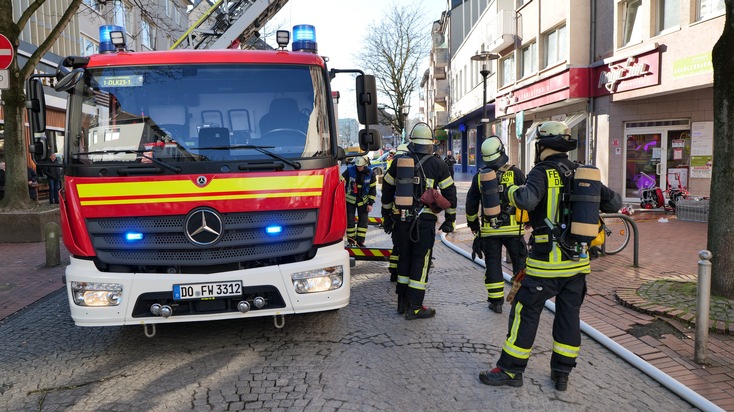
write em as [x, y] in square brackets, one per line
[174, 169]
[261, 149]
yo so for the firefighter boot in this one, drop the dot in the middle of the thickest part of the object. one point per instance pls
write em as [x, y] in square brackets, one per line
[499, 377]
[419, 312]
[560, 379]
[495, 306]
[401, 304]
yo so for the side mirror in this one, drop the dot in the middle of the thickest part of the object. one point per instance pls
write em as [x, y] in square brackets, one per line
[39, 149]
[340, 153]
[70, 80]
[369, 140]
[36, 105]
[366, 99]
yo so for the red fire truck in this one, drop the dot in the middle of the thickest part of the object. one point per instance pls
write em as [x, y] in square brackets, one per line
[202, 184]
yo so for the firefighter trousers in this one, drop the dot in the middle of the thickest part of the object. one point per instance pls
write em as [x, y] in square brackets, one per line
[414, 240]
[357, 231]
[492, 249]
[525, 315]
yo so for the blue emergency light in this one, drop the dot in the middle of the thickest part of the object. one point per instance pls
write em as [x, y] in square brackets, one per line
[304, 38]
[133, 236]
[105, 41]
[273, 229]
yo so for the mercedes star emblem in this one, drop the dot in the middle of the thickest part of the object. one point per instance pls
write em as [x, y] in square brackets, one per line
[204, 227]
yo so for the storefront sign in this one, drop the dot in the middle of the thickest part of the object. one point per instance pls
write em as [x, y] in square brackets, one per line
[632, 73]
[693, 66]
[570, 84]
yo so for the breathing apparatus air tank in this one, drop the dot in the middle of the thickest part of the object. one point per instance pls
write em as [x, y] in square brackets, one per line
[404, 184]
[489, 189]
[585, 198]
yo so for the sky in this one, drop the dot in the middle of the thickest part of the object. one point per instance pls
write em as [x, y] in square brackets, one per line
[340, 26]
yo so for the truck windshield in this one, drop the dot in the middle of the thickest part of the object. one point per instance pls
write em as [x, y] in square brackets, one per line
[200, 113]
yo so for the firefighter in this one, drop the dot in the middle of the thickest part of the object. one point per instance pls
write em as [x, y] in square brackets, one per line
[414, 227]
[394, 254]
[501, 230]
[361, 187]
[551, 271]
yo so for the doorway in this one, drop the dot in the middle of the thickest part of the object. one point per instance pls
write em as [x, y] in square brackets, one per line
[657, 154]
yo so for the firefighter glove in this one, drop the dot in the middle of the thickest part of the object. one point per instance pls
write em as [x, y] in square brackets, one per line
[476, 247]
[387, 222]
[447, 226]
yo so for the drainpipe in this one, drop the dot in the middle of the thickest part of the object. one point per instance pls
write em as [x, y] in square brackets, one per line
[591, 130]
[676, 387]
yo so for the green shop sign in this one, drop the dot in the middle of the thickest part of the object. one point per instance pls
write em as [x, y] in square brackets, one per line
[693, 66]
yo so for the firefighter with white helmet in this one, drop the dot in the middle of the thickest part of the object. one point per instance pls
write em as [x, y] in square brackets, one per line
[361, 187]
[409, 177]
[504, 229]
[551, 271]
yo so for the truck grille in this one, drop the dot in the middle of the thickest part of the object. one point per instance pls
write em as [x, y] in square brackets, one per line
[164, 244]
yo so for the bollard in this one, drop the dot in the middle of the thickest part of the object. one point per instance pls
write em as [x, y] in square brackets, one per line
[53, 247]
[703, 305]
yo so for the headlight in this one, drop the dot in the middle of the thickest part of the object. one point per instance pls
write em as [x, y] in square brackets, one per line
[319, 280]
[96, 294]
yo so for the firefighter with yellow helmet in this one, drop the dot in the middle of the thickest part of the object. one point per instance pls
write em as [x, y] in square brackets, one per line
[500, 228]
[361, 187]
[406, 182]
[553, 268]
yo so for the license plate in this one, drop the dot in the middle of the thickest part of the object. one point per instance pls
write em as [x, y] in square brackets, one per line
[207, 290]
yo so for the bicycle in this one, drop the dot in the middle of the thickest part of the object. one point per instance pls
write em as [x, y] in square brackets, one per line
[616, 235]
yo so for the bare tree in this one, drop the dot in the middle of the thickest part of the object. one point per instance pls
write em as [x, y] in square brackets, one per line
[395, 47]
[16, 183]
[721, 219]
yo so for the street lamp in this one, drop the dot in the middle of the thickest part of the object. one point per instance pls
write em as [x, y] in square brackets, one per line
[485, 57]
[406, 111]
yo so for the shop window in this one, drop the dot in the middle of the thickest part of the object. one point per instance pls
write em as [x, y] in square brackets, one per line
[508, 70]
[667, 14]
[456, 147]
[529, 60]
[555, 46]
[708, 8]
[632, 23]
[471, 152]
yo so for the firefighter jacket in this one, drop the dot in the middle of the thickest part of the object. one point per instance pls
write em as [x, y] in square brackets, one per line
[507, 176]
[361, 186]
[431, 172]
[541, 197]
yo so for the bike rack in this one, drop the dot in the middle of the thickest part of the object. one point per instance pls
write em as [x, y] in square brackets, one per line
[635, 239]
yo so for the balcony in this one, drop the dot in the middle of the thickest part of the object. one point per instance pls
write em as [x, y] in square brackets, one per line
[441, 91]
[441, 119]
[441, 57]
[439, 73]
[501, 31]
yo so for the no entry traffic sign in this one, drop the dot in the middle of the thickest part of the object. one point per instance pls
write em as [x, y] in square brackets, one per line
[6, 52]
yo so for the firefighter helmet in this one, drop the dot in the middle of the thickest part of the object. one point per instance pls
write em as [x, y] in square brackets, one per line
[555, 135]
[362, 161]
[402, 148]
[493, 153]
[421, 139]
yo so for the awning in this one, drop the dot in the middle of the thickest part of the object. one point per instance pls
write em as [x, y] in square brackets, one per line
[469, 117]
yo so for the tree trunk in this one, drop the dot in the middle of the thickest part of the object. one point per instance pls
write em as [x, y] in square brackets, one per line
[721, 218]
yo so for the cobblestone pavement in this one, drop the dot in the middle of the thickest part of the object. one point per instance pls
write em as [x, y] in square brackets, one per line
[362, 357]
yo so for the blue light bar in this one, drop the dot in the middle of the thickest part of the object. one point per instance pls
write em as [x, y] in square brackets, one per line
[273, 230]
[105, 43]
[133, 236]
[304, 38]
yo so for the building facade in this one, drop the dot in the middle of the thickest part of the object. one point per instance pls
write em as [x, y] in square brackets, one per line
[637, 90]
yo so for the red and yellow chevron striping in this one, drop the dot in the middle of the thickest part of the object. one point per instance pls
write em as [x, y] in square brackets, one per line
[363, 253]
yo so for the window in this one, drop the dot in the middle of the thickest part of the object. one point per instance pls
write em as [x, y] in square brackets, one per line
[667, 14]
[87, 46]
[709, 8]
[508, 70]
[169, 6]
[555, 46]
[122, 15]
[529, 60]
[632, 26]
[93, 4]
[177, 15]
[147, 34]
